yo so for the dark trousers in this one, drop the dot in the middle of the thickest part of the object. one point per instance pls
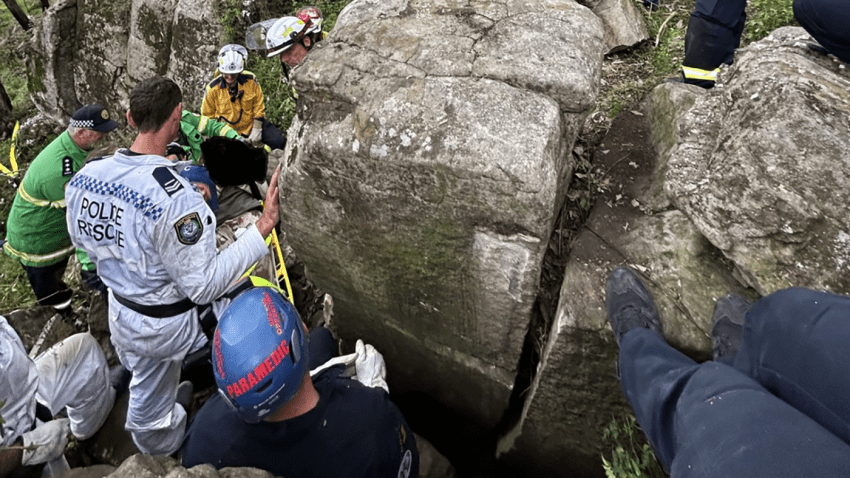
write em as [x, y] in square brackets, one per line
[272, 136]
[48, 285]
[781, 410]
[714, 32]
[827, 22]
[321, 347]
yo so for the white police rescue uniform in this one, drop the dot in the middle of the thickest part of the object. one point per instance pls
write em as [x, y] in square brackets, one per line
[71, 374]
[152, 238]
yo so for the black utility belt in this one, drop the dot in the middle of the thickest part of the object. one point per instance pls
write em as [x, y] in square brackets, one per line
[157, 311]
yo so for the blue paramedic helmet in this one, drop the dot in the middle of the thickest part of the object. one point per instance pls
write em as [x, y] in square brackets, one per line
[259, 353]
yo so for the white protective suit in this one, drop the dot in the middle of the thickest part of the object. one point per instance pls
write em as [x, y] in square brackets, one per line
[152, 238]
[72, 374]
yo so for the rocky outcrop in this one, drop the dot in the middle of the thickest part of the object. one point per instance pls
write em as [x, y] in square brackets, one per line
[624, 27]
[742, 191]
[87, 51]
[761, 166]
[423, 177]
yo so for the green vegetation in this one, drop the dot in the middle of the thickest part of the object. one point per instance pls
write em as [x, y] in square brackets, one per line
[12, 68]
[631, 456]
[764, 16]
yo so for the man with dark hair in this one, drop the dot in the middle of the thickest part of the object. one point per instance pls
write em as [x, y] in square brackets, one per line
[152, 237]
[37, 235]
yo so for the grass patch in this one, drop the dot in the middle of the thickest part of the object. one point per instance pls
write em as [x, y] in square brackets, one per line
[764, 16]
[631, 456]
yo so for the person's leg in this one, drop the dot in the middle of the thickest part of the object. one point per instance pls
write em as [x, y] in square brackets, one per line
[48, 285]
[73, 374]
[713, 34]
[826, 21]
[321, 347]
[795, 345]
[711, 420]
[154, 418]
[708, 419]
[272, 136]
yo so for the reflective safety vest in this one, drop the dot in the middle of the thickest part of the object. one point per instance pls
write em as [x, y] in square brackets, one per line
[37, 232]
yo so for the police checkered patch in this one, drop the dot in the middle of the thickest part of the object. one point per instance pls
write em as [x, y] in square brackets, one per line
[67, 166]
[189, 229]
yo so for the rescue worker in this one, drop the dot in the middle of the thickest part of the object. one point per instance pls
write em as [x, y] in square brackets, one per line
[236, 98]
[773, 402]
[37, 234]
[152, 237]
[293, 37]
[270, 413]
[715, 28]
[714, 32]
[72, 375]
[193, 129]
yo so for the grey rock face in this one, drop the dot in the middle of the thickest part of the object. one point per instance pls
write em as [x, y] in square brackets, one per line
[100, 64]
[761, 166]
[624, 27]
[49, 55]
[195, 39]
[423, 174]
[149, 44]
[89, 51]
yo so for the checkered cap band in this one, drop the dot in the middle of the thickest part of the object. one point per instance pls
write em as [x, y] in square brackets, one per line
[82, 123]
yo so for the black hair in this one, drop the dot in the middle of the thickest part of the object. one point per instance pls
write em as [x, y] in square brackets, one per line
[152, 101]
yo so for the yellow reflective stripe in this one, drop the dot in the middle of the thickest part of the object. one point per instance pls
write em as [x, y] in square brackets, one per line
[38, 258]
[697, 74]
[202, 125]
[40, 202]
[223, 131]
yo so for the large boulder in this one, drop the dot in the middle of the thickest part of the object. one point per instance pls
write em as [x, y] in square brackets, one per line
[87, 51]
[149, 45]
[103, 38]
[575, 392]
[730, 190]
[761, 166]
[195, 40]
[424, 171]
[49, 57]
[624, 27]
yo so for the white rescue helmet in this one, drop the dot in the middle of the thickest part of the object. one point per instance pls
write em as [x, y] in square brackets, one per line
[288, 30]
[231, 59]
[283, 34]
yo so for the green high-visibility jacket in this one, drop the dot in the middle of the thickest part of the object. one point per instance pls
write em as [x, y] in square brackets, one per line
[37, 233]
[194, 127]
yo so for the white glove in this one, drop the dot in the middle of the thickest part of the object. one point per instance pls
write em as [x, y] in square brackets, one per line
[256, 132]
[371, 369]
[48, 442]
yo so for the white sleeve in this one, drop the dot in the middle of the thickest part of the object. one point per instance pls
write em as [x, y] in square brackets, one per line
[185, 239]
[18, 384]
